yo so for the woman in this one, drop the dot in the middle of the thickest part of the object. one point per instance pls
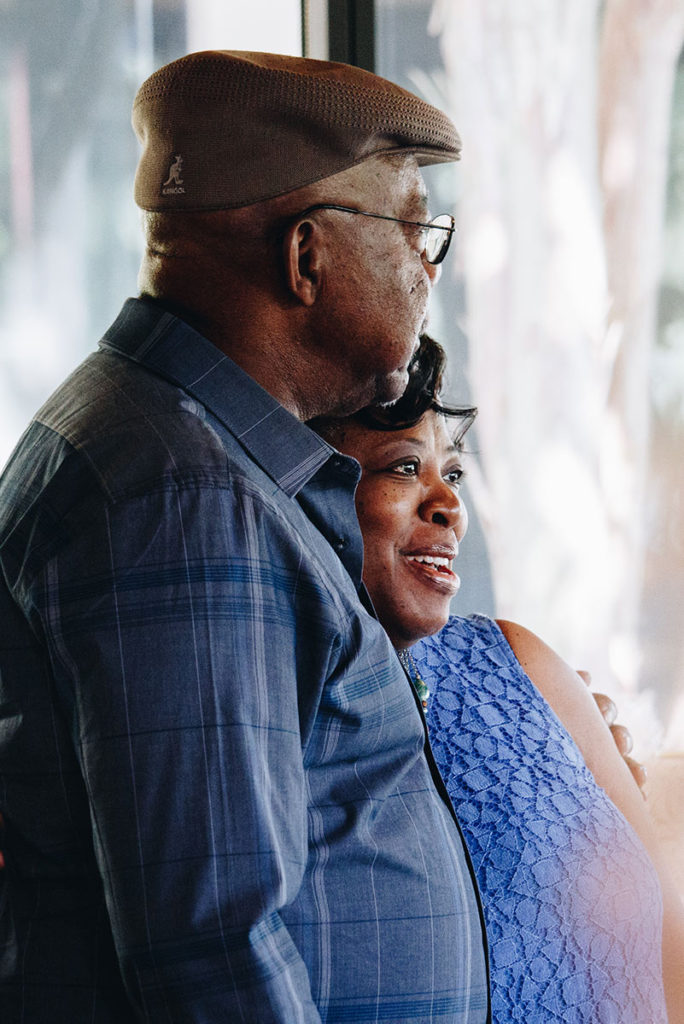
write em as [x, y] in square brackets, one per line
[575, 893]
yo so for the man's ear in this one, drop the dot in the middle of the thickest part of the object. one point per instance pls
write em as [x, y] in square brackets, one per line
[303, 260]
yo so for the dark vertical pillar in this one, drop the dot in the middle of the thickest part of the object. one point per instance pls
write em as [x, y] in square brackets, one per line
[351, 32]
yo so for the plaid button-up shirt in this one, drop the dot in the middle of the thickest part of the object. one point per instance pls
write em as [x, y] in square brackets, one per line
[218, 803]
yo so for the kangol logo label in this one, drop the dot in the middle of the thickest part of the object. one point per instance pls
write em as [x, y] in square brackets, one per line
[173, 185]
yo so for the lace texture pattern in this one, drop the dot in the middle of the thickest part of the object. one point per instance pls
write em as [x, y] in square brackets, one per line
[571, 900]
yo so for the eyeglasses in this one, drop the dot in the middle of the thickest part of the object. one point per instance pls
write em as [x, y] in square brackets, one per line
[437, 234]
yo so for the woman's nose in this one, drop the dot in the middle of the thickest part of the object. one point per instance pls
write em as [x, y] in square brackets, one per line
[443, 507]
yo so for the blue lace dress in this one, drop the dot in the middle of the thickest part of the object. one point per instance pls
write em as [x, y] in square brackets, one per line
[571, 900]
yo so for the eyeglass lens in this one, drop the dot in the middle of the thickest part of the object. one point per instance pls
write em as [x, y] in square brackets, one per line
[438, 240]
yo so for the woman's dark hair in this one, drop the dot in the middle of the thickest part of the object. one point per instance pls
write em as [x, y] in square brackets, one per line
[426, 372]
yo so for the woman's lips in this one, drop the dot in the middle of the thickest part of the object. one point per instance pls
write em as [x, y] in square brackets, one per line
[434, 569]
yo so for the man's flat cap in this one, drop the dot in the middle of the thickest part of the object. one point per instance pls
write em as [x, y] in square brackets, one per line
[223, 129]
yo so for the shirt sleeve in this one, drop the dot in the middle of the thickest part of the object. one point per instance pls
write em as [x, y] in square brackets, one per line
[172, 626]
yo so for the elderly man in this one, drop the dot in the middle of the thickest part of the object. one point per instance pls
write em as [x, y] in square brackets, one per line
[219, 802]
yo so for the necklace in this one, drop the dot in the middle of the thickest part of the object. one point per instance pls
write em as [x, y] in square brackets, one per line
[419, 685]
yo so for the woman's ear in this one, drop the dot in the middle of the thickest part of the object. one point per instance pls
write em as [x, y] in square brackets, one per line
[303, 260]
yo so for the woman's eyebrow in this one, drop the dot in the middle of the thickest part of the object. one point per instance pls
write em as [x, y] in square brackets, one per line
[394, 442]
[453, 447]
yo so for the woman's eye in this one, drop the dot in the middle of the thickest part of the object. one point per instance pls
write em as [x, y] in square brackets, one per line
[455, 476]
[408, 468]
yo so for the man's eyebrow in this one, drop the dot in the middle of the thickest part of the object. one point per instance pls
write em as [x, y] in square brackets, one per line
[424, 201]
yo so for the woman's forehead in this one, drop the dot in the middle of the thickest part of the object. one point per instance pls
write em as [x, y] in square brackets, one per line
[431, 431]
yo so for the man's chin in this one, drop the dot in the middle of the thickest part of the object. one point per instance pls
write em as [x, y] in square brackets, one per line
[384, 391]
[390, 389]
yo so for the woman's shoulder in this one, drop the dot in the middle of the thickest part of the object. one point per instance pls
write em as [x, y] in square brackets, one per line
[560, 685]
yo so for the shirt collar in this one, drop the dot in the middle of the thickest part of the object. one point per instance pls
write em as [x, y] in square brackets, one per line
[284, 447]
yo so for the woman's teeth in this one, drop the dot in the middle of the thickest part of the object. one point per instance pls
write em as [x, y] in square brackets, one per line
[439, 562]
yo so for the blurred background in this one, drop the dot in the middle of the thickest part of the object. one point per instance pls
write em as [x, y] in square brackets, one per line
[561, 304]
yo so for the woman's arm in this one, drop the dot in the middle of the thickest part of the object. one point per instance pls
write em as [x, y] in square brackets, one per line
[568, 696]
[622, 737]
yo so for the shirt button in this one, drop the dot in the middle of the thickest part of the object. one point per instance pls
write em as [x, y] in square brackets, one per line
[340, 544]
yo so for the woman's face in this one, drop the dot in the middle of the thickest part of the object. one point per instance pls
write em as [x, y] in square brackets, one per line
[412, 520]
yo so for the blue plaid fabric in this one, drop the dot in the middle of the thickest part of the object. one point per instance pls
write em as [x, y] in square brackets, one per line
[218, 802]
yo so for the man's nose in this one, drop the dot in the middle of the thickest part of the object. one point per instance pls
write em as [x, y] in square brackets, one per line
[433, 271]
